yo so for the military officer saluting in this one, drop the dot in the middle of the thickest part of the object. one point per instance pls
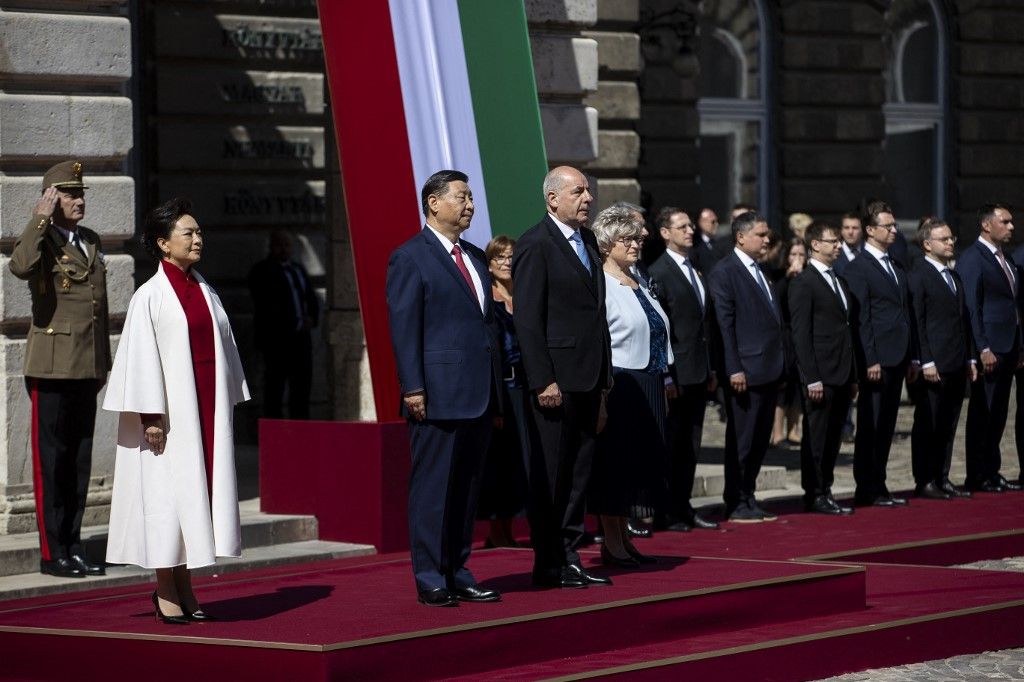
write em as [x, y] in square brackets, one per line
[67, 358]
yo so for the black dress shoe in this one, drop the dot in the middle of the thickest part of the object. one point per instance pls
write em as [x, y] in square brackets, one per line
[678, 527]
[953, 490]
[609, 559]
[883, 501]
[986, 487]
[200, 616]
[743, 513]
[765, 514]
[560, 580]
[439, 596]
[85, 567]
[168, 620]
[698, 521]
[1008, 485]
[637, 531]
[62, 568]
[822, 505]
[475, 593]
[931, 491]
[576, 572]
[842, 508]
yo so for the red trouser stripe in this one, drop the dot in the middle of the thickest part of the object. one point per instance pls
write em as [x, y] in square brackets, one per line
[37, 474]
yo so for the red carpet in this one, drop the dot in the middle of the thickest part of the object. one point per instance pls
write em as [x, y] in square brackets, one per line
[717, 603]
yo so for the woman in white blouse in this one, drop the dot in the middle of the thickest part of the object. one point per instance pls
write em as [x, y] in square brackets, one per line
[629, 468]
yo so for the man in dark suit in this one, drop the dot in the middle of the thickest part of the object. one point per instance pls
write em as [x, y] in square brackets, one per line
[704, 253]
[446, 351]
[820, 319]
[991, 288]
[566, 349]
[683, 295]
[285, 309]
[946, 353]
[852, 235]
[750, 325]
[884, 341]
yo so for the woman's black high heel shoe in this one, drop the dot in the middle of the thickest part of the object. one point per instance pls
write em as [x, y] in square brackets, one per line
[640, 558]
[609, 559]
[168, 620]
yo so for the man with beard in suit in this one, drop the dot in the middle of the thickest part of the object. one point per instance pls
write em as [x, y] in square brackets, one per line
[991, 286]
[566, 350]
[946, 353]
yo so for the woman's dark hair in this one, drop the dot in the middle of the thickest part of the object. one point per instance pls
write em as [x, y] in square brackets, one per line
[497, 245]
[160, 222]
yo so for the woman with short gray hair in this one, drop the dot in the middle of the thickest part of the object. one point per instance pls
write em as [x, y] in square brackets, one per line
[628, 475]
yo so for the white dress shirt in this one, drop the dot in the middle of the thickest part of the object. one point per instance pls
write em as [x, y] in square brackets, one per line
[749, 264]
[473, 274]
[681, 261]
[878, 255]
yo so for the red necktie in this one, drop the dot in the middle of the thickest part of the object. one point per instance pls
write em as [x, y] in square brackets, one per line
[461, 265]
[1006, 271]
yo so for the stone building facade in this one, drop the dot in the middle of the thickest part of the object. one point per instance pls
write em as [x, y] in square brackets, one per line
[792, 105]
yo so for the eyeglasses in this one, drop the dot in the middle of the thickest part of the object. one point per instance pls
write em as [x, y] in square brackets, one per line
[625, 241]
[686, 226]
[945, 240]
[502, 259]
[833, 242]
[887, 226]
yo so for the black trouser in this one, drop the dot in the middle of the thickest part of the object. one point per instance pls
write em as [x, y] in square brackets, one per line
[747, 434]
[685, 429]
[63, 415]
[937, 408]
[878, 405]
[986, 419]
[289, 362]
[562, 442]
[822, 434]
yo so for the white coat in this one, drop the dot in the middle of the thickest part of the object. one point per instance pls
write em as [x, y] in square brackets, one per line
[161, 515]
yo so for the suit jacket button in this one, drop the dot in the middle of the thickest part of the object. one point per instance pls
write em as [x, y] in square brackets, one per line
[50, 331]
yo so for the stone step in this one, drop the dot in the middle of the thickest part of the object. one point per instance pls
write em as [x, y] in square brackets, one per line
[709, 480]
[20, 553]
[35, 584]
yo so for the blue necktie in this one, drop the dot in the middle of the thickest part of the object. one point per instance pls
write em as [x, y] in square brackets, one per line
[761, 280]
[949, 280]
[581, 250]
[888, 266]
[693, 281]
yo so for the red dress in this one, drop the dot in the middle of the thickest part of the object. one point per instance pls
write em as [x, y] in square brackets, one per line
[204, 364]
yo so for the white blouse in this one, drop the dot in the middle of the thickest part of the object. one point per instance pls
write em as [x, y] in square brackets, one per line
[627, 322]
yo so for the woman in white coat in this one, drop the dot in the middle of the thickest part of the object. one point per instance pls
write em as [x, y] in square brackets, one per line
[175, 381]
[628, 476]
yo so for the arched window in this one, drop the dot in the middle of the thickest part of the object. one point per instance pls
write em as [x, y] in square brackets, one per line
[733, 51]
[915, 109]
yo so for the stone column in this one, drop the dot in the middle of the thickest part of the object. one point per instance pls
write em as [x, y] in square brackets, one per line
[63, 95]
[617, 101]
[831, 125]
[987, 97]
[565, 66]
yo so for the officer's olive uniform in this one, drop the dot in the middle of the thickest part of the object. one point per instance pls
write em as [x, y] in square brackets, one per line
[67, 358]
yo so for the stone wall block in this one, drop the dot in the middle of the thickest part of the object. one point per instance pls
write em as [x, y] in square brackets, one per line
[564, 65]
[661, 83]
[240, 147]
[975, 192]
[109, 206]
[980, 160]
[250, 201]
[672, 192]
[92, 48]
[58, 127]
[239, 92]
[832, 54]
[809, 161]
[826, 197]
[669, 121]
[610, 190]
[617, 51]
[991, 126]
[618, 11]
[211, 35]
[615, 101]
[833, 16]
[561, 12]
[835, 125]
[833, 89]
[990, 59]
[620, 150]
[991, 25]
[680, 158]
[982, 94]
[570, 133]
